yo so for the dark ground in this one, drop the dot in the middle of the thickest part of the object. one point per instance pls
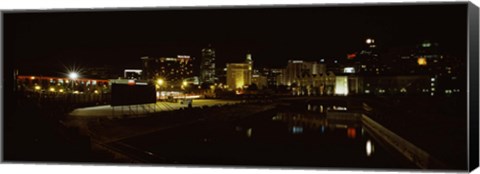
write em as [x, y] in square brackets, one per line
[435, 124]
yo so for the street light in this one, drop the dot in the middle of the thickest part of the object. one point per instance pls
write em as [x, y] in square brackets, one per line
[184, 85]
[160, 82]
[159, 85]
[73, 76]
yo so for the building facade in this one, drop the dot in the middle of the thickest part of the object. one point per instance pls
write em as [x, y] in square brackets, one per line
[260, 81]
[172, 70]
[207, 66]
[297, 69]
[239, 75]
[315, 84]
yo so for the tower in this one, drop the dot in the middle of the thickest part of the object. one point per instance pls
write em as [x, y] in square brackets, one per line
[207, 66]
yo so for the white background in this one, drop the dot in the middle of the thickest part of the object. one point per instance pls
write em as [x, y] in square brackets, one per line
[90, 4]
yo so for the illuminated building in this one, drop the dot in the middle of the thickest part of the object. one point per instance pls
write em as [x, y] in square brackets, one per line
[293, 70]
[318, 84]
[221, 75]
[281, 78]
[273, 76]
[298, 68]
[207, 66]
[367, 60]
[341, 85]
[432, 61]
[422, 61]
[239, 75]
[193, 80]
[61, 85]
[427, 59]
[132, 74]
[397, 85]
[387, 85]
[174, 70]
[259, 80]
[304, 78]
[349, 70]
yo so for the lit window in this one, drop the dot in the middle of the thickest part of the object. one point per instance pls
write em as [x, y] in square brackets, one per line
[422, 61]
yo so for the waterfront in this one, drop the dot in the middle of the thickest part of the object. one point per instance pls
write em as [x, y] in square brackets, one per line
[278, 137]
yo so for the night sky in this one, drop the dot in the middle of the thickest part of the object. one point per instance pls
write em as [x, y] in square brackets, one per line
[42, 42]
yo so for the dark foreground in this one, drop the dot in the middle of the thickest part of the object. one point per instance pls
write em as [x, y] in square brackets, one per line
[273, 138]
[252, 134]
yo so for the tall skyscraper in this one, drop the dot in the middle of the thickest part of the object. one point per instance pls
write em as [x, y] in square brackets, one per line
[367, 61]
[207, 66]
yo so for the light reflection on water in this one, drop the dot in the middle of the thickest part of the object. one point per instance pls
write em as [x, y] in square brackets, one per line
[287, 136]
[299, 123]
[320, 108]
[369, 148]
[315, 118]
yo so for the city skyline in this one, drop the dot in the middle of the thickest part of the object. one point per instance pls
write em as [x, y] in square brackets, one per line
[120, 38]
[364, 86]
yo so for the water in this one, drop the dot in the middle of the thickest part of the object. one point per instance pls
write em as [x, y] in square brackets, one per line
[303, 137]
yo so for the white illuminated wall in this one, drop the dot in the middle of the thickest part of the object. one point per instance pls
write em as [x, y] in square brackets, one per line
[341, 85]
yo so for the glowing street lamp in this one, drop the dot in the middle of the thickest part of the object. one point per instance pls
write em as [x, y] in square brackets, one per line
[160, 82]
[73, 76]
[184, 84]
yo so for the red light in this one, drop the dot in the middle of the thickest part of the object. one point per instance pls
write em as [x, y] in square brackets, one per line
[131, 82]
[351, 56]
[351, 132]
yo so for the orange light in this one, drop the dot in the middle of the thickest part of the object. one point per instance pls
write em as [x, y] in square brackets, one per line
[351, 132]
[422, 61]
